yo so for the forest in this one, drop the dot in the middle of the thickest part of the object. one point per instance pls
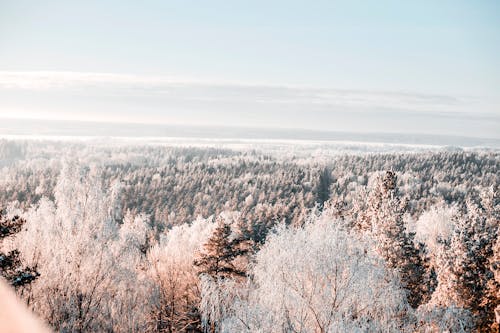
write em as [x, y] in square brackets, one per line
[154, 237]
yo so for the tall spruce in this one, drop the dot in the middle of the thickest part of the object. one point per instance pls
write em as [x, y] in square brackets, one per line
[384, 219]
[220, 253]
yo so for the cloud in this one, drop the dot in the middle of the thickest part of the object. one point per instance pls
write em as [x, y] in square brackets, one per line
[154, 99]
[170, 89]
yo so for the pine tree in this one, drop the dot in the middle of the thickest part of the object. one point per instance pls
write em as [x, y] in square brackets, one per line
[217, 264]
[220, 253]
[384, 220]
[466, 267]
[10, 263]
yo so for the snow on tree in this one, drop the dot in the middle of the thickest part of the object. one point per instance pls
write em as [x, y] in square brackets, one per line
[177, 286]
[92, 230]
[435, 225]
[135, 233]
[464, 267]
[219, 265]
[384, 220]
[318, 278]
[432, 318]
[10, 263]
[490, 201]
[88, 280]
[217, 297]
[221, 251]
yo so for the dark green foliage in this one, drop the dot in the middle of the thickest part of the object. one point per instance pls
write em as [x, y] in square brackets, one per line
[10, 264]
[323, 187]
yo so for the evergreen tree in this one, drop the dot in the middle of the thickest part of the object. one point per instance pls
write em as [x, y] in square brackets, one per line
[220, 253]
[467, 274]
[10, 263]
[384, 220]
[323, 187]
[217, 264]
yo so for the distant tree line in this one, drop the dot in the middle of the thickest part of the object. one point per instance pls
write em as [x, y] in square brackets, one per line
[158, 239]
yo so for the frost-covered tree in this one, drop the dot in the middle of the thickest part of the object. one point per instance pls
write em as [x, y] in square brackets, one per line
[220, 253]
[318, 278]
[431, 318]
[384, 220]
[90, 276]
[490, 201]
[135, 234]
[11, 267]
[218, 296]
[435, 225]
[177, 287]
[464, 267]
[92, 229]
[217, 266]
[174, 185]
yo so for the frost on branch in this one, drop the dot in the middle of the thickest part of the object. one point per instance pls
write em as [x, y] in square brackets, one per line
[90, 279]
[177, 290]
[319, 278]
[220, 253]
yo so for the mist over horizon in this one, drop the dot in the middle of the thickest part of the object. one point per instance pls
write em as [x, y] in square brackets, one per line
[117, 98]
[11, 127]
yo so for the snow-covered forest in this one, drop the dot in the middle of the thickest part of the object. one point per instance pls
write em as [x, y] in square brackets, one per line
[137, 237]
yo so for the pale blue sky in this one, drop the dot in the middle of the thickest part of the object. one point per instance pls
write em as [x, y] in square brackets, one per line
[222, 61]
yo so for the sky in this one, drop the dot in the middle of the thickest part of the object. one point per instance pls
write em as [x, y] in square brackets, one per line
[367, 66]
